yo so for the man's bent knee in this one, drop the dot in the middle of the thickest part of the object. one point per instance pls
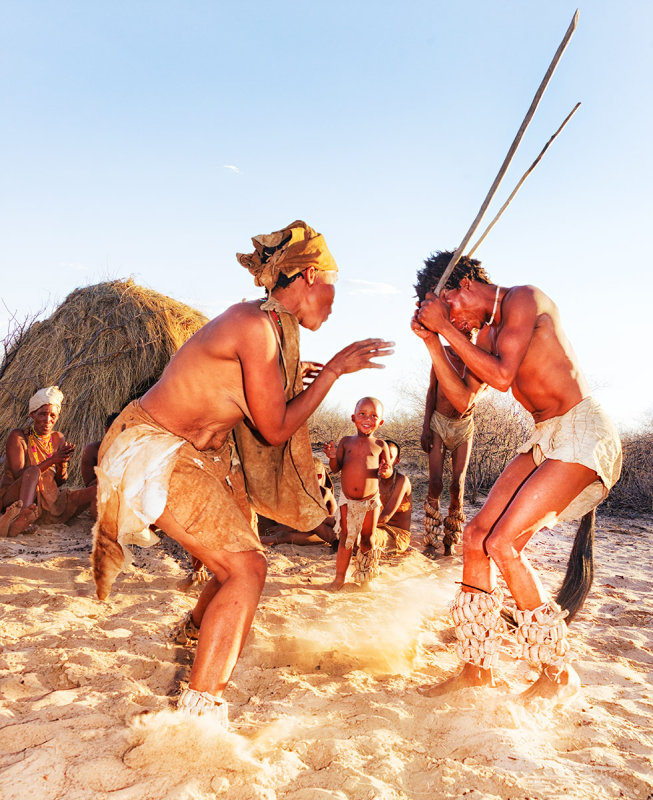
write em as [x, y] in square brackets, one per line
[474, 536]
[499, 549]
[246, 563]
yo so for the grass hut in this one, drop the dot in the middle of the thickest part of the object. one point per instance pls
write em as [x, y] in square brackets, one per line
[105, 345]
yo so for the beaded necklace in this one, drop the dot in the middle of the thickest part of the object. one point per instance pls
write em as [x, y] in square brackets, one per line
[40, 446]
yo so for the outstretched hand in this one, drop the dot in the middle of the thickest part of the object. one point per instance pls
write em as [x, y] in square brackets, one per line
[359, 355]
[310, 371]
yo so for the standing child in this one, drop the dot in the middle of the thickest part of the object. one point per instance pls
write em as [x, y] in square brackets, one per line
[359, 505]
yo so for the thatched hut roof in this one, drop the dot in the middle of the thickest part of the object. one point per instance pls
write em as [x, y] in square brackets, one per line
[105, 345]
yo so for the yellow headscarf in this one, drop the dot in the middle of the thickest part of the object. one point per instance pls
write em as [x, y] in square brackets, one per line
[288, 251]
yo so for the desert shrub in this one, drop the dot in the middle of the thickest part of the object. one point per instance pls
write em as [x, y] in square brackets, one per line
[634, 489]
[501, 426]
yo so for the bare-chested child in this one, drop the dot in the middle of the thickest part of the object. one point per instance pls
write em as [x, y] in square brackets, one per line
[448, 426]
[359, 506]
[396, 493]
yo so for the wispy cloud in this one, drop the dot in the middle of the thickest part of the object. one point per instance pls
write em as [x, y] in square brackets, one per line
[232, 167]
[355, 286]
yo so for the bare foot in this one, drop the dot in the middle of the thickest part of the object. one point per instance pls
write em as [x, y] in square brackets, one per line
[9, 516]
[337, 585]
[448, 550]
[23, 520]
[559, 687]
[469, 676]
[269, 540]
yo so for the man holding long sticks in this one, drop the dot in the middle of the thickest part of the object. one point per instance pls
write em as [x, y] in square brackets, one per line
[564, 471]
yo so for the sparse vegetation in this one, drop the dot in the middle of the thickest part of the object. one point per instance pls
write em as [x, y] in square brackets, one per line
[502, 426]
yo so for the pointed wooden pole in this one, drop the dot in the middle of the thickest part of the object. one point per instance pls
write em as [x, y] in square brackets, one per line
[511, 152]
[521, 181]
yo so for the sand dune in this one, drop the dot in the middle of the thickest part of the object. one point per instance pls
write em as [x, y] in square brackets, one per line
[323, 702]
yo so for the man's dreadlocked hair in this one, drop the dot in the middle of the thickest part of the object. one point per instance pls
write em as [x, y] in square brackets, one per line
[435, 265]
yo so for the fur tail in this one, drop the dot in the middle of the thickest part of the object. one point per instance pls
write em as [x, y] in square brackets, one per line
[580, 572]
[107, 560]
[580, 569]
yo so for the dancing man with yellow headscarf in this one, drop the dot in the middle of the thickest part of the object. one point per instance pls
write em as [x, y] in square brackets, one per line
[222, 435]
[36, 467]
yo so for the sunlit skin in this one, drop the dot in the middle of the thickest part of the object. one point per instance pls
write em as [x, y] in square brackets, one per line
[228, 371]
[358, 458]
[527, 351]
[26, 476]
[431, 442]
[394, 490]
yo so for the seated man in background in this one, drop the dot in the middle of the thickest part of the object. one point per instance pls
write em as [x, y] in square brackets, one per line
[36, 467]
[271, 533]
[393, 527]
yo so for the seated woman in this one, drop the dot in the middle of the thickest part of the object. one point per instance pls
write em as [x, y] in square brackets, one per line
[36, 466]
[271, 533]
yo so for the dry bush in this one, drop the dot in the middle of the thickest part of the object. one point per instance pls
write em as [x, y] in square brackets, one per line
[501, 426]
[105, 345]
[327, 423]
[634, 489]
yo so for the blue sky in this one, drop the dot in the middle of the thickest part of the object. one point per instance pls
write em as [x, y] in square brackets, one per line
[153, 139]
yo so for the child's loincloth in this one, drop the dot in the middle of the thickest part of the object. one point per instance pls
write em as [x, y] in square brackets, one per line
[584, 435]
[356, 511]
[390, 537]
[453, 432]
[144, 469]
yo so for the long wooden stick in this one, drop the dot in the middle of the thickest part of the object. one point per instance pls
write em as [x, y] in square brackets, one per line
[521, 181]
[511, 152]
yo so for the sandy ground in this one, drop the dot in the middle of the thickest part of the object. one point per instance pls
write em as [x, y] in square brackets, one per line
[323, 702]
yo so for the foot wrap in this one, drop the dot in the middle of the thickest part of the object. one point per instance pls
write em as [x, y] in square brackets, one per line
[477, 617]
[188, 631]
[366, 565]
[542, 636]
[432, 525]
[201, 704]
[453, 526]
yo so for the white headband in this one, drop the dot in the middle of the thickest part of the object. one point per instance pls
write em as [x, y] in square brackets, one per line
[51, 395]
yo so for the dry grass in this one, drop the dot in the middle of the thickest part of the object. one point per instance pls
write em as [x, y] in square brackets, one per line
[501, 426]
[105, 345]
[635, 488]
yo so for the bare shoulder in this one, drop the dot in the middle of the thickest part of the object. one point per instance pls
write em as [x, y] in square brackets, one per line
[239, 317]
[16, 437]
[58, 438]
[242, 326]
[404, 482]
[529, 299]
